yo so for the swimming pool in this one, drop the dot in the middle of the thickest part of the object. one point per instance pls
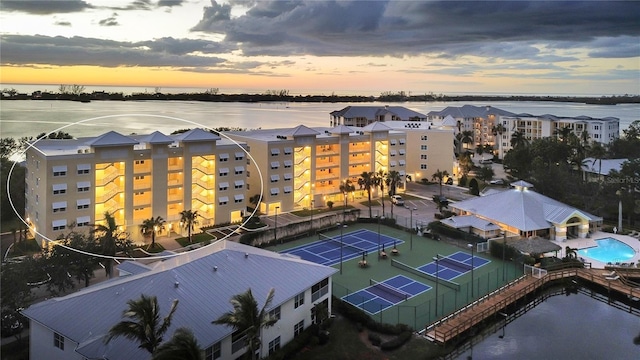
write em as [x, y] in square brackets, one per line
[608, 250]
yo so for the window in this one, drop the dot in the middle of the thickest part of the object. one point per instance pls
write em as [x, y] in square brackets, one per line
[402, 162]
[393, 142]
[238, 340]
[238, 198]
[275, 313]
[83, 221]
[139, 177]
[392, 153]
[239, 156]
[288, 177]
[401, 141]
[223, 186]
[423, 147]
[298, 328]
[423, 166]
[275, 178]
[275, 191]
[139, 162]
[60, 206]
[275, 152]
[223, 171]
[59, 189]
[60, 170]
[288, 164]
[83, 186]
[223, 200]
[402, 152]
[82, 204]
[288, 151]
[213, 352]
[275, 164]
[423, 156]
[274, 345]
[84, 169]
[238, 184]
[299, 300]
[59, 224]
[319, 290]
[58, 341]
[239, 170]
[288, 189]
[423, 137]
[224, 157]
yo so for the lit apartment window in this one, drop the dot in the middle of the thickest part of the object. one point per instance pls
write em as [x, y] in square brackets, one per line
[274, 345]
[299, 300]
[59, 189]
[213, 352]
[298, 328]
[58, 341]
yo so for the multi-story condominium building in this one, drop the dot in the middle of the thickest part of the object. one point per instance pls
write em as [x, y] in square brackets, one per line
[603, 130]
[304, 167]
[484, 123]
[361, 116]
[75, 326]
[133, 178]
[479, 120]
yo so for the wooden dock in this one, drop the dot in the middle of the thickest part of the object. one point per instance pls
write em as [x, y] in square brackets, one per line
[452, 326]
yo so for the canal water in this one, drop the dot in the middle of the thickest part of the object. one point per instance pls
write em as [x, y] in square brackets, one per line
[570, 325]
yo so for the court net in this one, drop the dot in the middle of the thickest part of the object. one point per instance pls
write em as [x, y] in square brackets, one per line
[454, 264]
[337, 242]
[391, 293]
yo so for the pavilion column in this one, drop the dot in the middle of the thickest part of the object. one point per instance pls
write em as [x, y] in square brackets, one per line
[561, 232]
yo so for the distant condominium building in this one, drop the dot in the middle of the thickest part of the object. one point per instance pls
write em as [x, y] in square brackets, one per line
[495, 127]
[133, 178]
[361, 116]
[304, 167]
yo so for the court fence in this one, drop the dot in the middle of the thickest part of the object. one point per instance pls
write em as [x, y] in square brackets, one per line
[416, 312]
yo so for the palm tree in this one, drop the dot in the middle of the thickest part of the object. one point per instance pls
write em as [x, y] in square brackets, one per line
[562, 133]
[366, 181]
[380, 182]
[392, 180]
[518, 139]
[189, 220]
[143, 324]
[183, 345]
[467, 137]
[480, 150]
[440, 175]
[246, 318]
[107, 235]
[597, 151]
[498, 130]
[152, 225]
[255, 200]
[345, 188]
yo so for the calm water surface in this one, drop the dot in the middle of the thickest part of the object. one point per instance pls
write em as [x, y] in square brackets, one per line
[564, 328]
[29, 118]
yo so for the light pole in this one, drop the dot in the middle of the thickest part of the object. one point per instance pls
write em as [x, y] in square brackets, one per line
[411, 227]
[311, 226]
[378, 216]
[275, 229]
[504, 247]
[437, 281]
[471, 246]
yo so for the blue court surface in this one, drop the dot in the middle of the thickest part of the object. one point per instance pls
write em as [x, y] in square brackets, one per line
[454, 265]
[327, 251]
[383, 295]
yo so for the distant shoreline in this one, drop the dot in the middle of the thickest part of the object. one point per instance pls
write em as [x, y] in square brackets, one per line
[254, 98]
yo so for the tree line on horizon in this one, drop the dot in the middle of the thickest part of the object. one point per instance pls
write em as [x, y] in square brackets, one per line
[77, 93]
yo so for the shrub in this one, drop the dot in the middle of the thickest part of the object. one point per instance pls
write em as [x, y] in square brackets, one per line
[397, 341]
[375, 339]
[330, 204]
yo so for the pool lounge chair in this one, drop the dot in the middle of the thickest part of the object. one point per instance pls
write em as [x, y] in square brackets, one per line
[609, 274]
[611, 278]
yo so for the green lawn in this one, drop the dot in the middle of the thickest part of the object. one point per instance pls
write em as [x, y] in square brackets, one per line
[195, 238]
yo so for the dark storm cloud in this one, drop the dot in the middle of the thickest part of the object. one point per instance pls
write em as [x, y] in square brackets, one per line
[41, 7]
[170, 3]
[413, 27]
[40, 49]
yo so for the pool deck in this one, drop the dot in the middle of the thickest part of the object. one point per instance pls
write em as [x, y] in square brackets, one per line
[591, 242]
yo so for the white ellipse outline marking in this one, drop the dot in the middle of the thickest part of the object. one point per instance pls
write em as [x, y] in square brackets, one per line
[57, 242]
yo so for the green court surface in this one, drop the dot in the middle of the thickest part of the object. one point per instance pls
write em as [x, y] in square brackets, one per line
[414, 251]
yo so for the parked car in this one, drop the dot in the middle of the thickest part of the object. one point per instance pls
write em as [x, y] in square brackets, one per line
[397, 199]
[486, 161]
[449, 181]
[496, 182]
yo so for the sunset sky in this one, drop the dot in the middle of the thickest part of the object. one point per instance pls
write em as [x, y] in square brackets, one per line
[319, 47]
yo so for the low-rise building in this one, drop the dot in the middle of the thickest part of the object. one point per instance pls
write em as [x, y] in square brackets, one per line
[203, 281]
[361, 116]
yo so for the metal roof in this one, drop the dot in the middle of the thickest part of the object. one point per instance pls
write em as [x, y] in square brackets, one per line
[111, 138]
[602, 166]
[370, 112]
[470, 111]
[203, 280]
[470, 221]
[196, 134]
[521, 208]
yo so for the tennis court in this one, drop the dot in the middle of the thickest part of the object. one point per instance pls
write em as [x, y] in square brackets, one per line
[327, 250]
[454, 265]
[383, 295]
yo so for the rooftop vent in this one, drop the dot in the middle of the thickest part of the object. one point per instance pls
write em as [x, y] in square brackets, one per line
[215, 268]
[176, 284]
[246, 255]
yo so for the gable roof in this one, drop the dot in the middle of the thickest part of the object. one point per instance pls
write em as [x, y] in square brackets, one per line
[203, 280]
[342, 129]
[521, 208]
[302, 130]
[370, 112]
[376, 127]
[111, 138]
[157, 137]
[470, 111]
[195, 135]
